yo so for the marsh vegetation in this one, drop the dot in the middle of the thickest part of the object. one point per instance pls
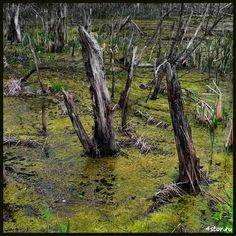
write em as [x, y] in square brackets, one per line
[118, 117]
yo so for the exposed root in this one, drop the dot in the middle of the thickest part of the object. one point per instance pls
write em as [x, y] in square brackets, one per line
[164, 195]
[150, 120]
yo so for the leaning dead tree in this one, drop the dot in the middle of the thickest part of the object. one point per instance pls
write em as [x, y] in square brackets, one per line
[12, 28]
[103, 142]
[189, 169]
[125, 96]
[78, 127]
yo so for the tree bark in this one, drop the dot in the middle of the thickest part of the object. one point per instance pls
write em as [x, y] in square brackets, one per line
[125, 96]
[79, 129]
[104, 136]
[56, 31]
[189, 171]
[158, 78]
[13, 31]
[112, 56]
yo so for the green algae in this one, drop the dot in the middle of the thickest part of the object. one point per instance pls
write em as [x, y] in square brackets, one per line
[109, 194]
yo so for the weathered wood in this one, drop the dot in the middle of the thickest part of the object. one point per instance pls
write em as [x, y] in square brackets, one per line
[104, 136]
[189, 171]
[151, 120]
[79, 129]
[13, 31]
[219, 108]
[112, 57]
[229, 139]
[125, 95]
[56, 32]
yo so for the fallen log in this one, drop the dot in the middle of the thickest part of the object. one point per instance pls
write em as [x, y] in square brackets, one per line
[164, 195]
[150, 120]
[40, 67]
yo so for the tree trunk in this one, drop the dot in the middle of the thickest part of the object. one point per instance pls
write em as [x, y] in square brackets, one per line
[112, 57]
[219, 108]
[158, 79]
[13, 31]
[229, 140]
[189, 172]
[44, 123]
[125, 96]
[79, 129]
[56, 32]
[104, 136]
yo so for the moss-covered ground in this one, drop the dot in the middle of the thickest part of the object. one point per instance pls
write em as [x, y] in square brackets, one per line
[110, 194]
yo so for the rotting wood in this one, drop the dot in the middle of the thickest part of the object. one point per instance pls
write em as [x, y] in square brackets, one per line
[125, 95]
[164, 195]
[12, 140]
[189, 171]
[229, 132]
[150, 120]
[104, 135]
[204, 113]
[78, 127]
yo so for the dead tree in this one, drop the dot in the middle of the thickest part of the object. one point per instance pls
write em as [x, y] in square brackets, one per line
[125, 95]
[13, 30]
[87, 21]
[56, 31]
[189, 171]
[44, 90]
[78, 127]
[104, 136]
[229, 138]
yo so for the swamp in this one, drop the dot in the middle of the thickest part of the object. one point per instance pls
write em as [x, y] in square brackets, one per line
[117, 117]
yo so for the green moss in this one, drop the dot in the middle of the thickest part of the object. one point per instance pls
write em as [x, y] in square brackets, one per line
[108, 194]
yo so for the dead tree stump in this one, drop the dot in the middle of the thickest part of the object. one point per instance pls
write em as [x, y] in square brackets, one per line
[189, 171]
[104, 136]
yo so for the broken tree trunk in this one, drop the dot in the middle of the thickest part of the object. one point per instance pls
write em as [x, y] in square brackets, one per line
[229, 140]
[56, 31]
[112, 54]
[13, 31]
[125, 95]
[189, 171]
[158, 79]
[158, 76]
[104, 136]
[219, 108]
[79, 129]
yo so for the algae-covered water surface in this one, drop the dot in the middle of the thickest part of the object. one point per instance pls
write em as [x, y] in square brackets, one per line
[52, 185]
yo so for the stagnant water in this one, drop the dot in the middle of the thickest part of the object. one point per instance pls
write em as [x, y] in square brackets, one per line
[110, 194]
